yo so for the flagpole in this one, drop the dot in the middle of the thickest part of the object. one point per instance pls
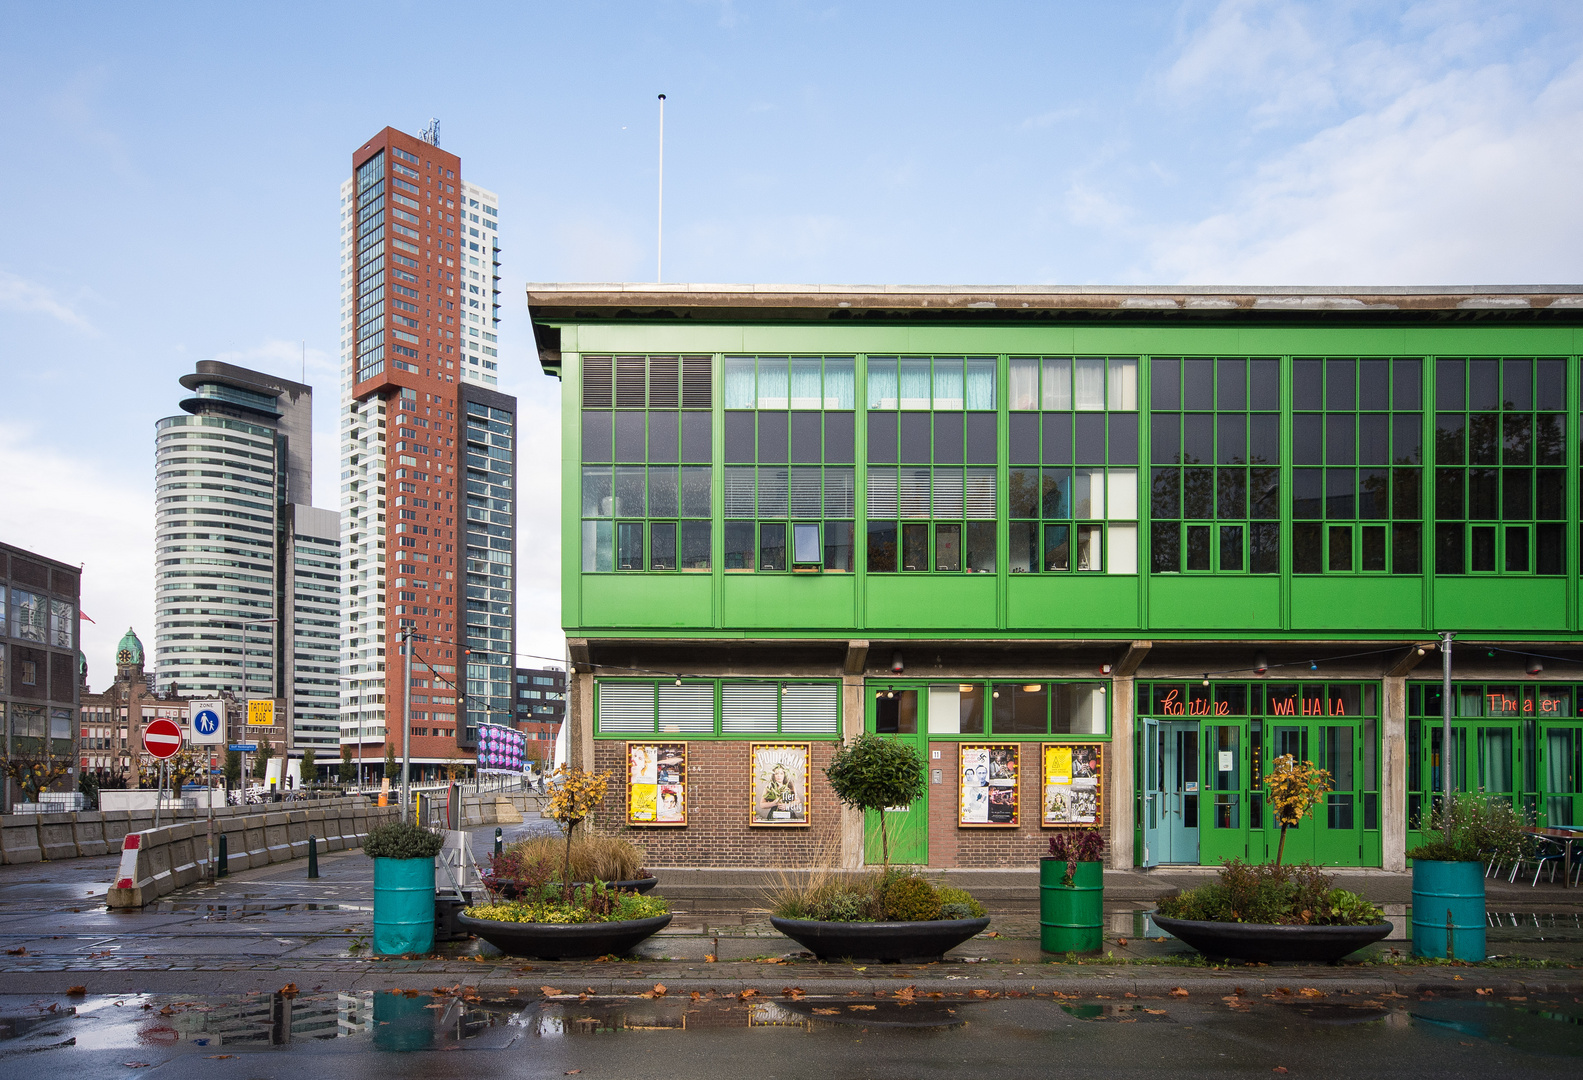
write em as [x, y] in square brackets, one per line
[659, 247]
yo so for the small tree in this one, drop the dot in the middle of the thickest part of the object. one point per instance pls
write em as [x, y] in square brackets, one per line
[310, 766]
[88, 784]
[872, 773]
[233, 768]
[390, 763]
[348, 770]
[34, 772]
[1295, 789]
[577, 793]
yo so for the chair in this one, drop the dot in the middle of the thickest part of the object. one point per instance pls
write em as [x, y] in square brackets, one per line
[1545, 850]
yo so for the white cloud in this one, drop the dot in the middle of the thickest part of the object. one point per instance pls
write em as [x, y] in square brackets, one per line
[29, 297]
[78, 511]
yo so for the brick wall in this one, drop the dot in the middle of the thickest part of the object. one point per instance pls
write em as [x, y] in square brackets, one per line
[719, 797]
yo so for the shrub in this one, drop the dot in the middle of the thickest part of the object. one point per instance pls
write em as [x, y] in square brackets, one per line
[872, 773]
[593, 858]
[588, 904]
[909, 898]
[1075, 846]
[1294, 895]
[402, 840]
[958, 903]
[1481, 828]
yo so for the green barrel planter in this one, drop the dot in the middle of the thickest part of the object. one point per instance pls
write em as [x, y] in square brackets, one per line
[1448, 909]
[1071, 916]
[403, 906]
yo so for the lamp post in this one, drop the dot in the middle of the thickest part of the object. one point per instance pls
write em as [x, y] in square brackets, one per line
[1445, 731]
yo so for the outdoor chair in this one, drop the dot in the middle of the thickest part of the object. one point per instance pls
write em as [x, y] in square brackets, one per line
[1545, 850]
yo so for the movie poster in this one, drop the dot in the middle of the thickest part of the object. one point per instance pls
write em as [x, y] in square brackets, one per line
[780, 784]
[1073, 775]
[990, 785]
[656, 783]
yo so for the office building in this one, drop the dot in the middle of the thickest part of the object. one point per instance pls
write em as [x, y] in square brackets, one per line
[39, 663]
[234, 486]
[313, 664]
[1101, 556]
[427, 456]
[541, 704]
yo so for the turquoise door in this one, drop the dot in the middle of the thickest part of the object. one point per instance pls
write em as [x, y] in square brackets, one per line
[1170, 791]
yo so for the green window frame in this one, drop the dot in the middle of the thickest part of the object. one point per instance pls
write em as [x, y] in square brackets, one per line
[730, 709]
[1357, 456]
[968, 709]
[790, 450]
[647, 473]
[1500, 491]
[1215, 453]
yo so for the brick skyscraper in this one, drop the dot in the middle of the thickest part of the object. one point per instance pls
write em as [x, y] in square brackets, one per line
[428, 456]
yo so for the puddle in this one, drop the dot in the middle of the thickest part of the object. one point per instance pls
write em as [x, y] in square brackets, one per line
[1534, 1028]
[1127, 1014]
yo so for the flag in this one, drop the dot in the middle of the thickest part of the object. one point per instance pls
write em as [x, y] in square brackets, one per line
[84, 615]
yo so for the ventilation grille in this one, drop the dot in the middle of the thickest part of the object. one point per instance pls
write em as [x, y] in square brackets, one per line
[664, 382]
[697, 382]
[596, 382]
[629, 382]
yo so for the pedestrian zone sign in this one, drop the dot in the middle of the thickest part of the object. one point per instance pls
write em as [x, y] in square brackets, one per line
[207, 719]
[261, 713]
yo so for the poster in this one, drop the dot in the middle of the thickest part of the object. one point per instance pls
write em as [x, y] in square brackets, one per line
[1073, 784]
[656, 783]
[502, 749]
[990, 785]
[780, 784]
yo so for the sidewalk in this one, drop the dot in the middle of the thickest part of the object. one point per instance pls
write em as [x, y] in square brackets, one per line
[259, 930]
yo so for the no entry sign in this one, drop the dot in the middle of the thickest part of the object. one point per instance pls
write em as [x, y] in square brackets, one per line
[162, 738]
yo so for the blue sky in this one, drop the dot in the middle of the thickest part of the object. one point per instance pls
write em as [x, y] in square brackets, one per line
[171, 183]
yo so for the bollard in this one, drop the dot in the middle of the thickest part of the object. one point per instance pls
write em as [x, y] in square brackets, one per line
[224, 868]
[498, 845]
[313, 856]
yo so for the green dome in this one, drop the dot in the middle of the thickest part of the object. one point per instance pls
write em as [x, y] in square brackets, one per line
[130, 650]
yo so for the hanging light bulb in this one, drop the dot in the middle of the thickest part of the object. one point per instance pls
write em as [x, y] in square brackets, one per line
[1261, 663]
[1313, 665]
[1206, 679]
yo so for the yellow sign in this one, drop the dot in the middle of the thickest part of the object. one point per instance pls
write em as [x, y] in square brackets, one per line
[261, 713]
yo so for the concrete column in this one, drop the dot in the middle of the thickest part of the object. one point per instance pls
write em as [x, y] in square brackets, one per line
[851, 826]
[1119, 772]
[1393, 774]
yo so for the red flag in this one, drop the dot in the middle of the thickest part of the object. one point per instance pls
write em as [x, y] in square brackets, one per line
[84, 615]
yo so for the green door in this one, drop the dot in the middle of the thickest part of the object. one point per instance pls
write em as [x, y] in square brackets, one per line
[899, 714]
[1223, 828]
[1561, 770]
[1289, 736]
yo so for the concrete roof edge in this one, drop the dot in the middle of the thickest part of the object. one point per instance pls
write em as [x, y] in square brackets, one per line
[558, 289]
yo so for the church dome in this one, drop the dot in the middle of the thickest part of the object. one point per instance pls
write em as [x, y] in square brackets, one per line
[130, 650]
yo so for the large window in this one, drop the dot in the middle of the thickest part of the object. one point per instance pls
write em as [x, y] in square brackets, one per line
[790, 449]
[703, 708]
[1357, 448]
[1005, 708]
[649, 418]
[1215, 444]
[1500, 452]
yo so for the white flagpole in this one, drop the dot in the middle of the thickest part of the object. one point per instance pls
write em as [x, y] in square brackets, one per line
[659, 247]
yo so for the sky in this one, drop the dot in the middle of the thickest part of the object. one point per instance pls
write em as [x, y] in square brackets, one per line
[172, 172]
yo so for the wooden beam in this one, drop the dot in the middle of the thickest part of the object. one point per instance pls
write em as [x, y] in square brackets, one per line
[1411, 658]
[856, 657]
[1130, 660]
[577, 648]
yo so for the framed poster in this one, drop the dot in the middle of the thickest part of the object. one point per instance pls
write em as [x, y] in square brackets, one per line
[780, 784]
[991, 783]
[656, 783]
[1073, 784]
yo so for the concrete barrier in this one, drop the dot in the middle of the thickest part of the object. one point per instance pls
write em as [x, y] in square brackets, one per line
[117, 823]
[19, 838]
[87, 829]
[55, 839]
[157, 862]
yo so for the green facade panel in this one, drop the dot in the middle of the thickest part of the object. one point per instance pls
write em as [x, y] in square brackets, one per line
[1072, 602]
[789, 601]
[1501, 603]
[1215, 603]
[1357, 603]
[644, 601]
[930, 602]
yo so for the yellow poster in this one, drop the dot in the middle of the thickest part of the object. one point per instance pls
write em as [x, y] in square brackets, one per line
[261, 713]
[644, 797]
[1058, 764]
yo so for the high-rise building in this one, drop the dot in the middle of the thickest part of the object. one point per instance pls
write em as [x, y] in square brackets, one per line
[428, 456]
[39, 665]
[238, 571]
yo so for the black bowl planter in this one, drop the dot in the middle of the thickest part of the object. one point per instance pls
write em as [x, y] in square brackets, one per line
[879, 940]
[512, 890]
[558, 941]
[1260, 941]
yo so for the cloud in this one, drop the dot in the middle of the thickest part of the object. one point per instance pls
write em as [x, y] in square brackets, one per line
[29, 297]
[76, 112]
[78, 511]
[1466, 178]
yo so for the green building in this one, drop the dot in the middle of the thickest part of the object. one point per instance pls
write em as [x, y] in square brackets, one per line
[1101, 554]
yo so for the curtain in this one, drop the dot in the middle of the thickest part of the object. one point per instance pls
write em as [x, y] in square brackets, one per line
[1057, 394]
[805, 390]
[914, 383]
[1023, 388]
[980, 383]
[1123, 383]
[948, 382]
[739, 383]
[882, 382]
[772, 383]
[840, 383]
[1090, 383]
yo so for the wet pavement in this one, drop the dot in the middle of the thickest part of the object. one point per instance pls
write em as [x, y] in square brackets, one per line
[900, 1033]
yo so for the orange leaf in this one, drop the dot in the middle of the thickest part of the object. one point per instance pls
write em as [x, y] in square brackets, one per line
[659, 989]
[76, 991]
[828, 1012]
[1178, 992]
[1310, 992]
[862, 1008]
[549, 991]
[749, 992]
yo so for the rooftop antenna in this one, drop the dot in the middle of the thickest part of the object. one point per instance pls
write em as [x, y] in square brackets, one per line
[659, 247]
[431, 134]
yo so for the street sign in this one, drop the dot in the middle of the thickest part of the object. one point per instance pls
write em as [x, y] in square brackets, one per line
[208, 721]
[261, 712]
[162, 738]
[243, 747]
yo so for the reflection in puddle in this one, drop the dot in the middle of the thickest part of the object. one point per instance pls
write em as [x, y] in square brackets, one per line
[1142, 1014]
[1532, 1028]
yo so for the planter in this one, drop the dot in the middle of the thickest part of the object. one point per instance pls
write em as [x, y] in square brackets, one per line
[403, 906]
[1261, 941]
[559, 941]
[511, 890]
[1448, 910]
[879, 940]
[1071, 916]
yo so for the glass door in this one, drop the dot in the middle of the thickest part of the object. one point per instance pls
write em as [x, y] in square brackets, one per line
[1223, 830]
[1289, 737]
[1171, 792]
[1151, 811]
[899, 714]
[1561, 768]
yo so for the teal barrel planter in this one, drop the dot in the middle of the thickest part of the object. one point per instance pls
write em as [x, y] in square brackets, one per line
[1448, 909]
[403, 906]
[1071, 916]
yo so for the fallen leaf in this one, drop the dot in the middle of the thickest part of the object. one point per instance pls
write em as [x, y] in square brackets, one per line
[76, 991]
[290, 989]
[1122, 942]
[828, 1012]
[1516, 999]
[695, 995]
[1129, 994]
[20, 950]
[749, 992]
[137, 1064]
[1280, 1068]
[659, 989]
[1177, 991]
[220, 1057]
[862, 1008]
[1310, 992]
[793, 991]
[709, 958]
[981, 993]
[513, 991]
[550, 991]
[1155, 1012]
[993, 933]
[573, 1072]
[906, 993]
[1485, 991]
[167, 1011]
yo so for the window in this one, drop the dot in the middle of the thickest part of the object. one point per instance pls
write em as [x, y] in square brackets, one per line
[649, 418]
[1215, 452]
[1362, 421]
[790, 448]
[703, 708]
[1500, 451]
[1019, 708]
[29, 616]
